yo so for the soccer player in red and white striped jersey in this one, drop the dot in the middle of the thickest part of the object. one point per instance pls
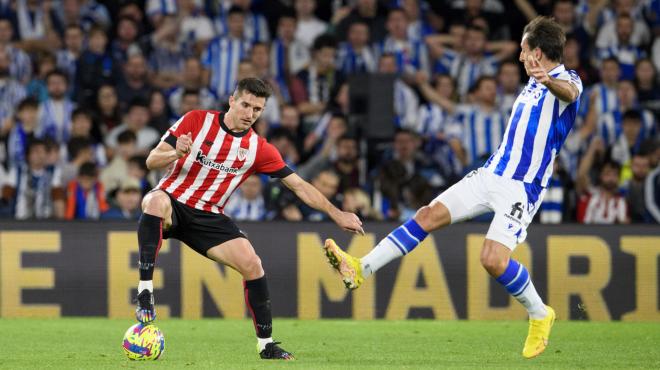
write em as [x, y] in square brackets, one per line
[209, 154]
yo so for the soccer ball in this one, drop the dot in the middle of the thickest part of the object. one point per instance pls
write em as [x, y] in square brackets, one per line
[143, 342]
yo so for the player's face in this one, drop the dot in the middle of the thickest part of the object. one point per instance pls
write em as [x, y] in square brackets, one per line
[245, 110]
[525, 51]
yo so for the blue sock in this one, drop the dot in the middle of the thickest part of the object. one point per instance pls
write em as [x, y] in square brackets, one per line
[515, 278]
[407, 236]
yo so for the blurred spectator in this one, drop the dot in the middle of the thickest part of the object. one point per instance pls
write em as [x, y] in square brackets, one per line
[134, 84]
[136, 120]
[357, 201]
[106, 107]
[223, 54]
[260, 60]
[308, 27]
[67, 57]
[192, 80]
[255, 28]
[157, 10]
[603, 203]
[55, 111]
[283, 141]
[36, 24]
[290, 121]
[288, 55]
[564, 13]
[196, 29]
[410, 55]
[574, 61]
[337, 107]
[125, 42]
[46, 63]
[35, 188]
[116, 170]
[607, 33]
[652, 185]
[247, 204]
[310, 91]
[137, 168]
[355, 55]
[127, 202]
[85, 195]
[630, 137]
[602, 97]
[405, 99]
[556, 206]
[646, 83]
[508, 86]
[79, 151]
[166, 55]
[370, 12]
[640, 166]
[473, 61]
[11, 90]
[327, 183]
[16, 133]
[20, 65]
[86, 12]
[418, 13]
[158, 113]
[82, 126]
[95, 67]
[490, 11]
[622, 48]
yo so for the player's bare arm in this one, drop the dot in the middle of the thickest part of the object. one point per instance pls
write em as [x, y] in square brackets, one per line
[562, 89]
[164, 154]
[313, 198]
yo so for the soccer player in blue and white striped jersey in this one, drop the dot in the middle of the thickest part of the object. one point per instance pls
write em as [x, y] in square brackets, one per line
[512, 183]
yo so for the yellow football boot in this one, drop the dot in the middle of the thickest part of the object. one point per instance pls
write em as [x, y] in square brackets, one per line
[539, 332]
[348, 266]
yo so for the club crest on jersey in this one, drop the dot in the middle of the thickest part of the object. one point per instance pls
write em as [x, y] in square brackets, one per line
[242, 154]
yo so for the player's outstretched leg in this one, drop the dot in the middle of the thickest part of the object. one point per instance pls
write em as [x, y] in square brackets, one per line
[398, 243]
[516, 280]
[150, 237]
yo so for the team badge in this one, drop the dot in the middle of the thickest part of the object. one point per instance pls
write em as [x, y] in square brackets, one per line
[242, 154]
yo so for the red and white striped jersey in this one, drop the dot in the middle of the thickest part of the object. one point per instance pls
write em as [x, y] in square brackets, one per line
[218, 162]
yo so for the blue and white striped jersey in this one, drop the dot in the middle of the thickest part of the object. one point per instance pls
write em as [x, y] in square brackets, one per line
[610, 126]
[411, 56]
[627, 56]
[537, 129]
[12, 93]
[464, 70]
[432, 120]
[349, 61]
[606, 100]
[479, 131]
[222, 57]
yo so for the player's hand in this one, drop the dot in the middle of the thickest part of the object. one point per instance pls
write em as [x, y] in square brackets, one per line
[183, 144]
[536, 70]
[349, 222]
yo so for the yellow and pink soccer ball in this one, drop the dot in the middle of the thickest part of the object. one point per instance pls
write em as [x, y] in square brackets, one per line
[143, 342]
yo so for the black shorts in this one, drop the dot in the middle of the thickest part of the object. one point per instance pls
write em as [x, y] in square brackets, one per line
[200, 230]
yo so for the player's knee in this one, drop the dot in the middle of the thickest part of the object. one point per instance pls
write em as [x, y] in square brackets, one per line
[494, 264]
[432, 216]
[156, 203]
[251, 267]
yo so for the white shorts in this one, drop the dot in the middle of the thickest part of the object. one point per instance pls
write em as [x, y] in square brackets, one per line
[514, 203]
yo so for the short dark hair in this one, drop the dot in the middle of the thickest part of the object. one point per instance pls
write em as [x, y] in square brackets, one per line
[33, 143]
[57, 72]
[236, 10]
[254, 86]
[127, 136]
[77, 145]
[632, 114]
[138, 102]
[29, 102]
[611, 164]
[81, 112]
[477, 84]
[325, 40]
[88, 169]
[546, 34]
[140, 161]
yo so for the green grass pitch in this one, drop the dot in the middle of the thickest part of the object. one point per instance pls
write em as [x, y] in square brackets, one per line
[330, 344]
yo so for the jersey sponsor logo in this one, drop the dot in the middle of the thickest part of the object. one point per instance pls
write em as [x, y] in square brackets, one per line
[516, 207]
[242, 154]
[204, 161]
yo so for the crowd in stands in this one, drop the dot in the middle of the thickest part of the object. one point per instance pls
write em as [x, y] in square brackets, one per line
[87, 89]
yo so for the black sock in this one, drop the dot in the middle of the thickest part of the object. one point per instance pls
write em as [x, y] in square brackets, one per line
[150, 236]
[258, 302]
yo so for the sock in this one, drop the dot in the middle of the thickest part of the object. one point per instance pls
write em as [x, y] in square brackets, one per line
[150, 236]
[146, 284]
[517, 282]
[258, 302]
[398, 243]
[261, 342]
